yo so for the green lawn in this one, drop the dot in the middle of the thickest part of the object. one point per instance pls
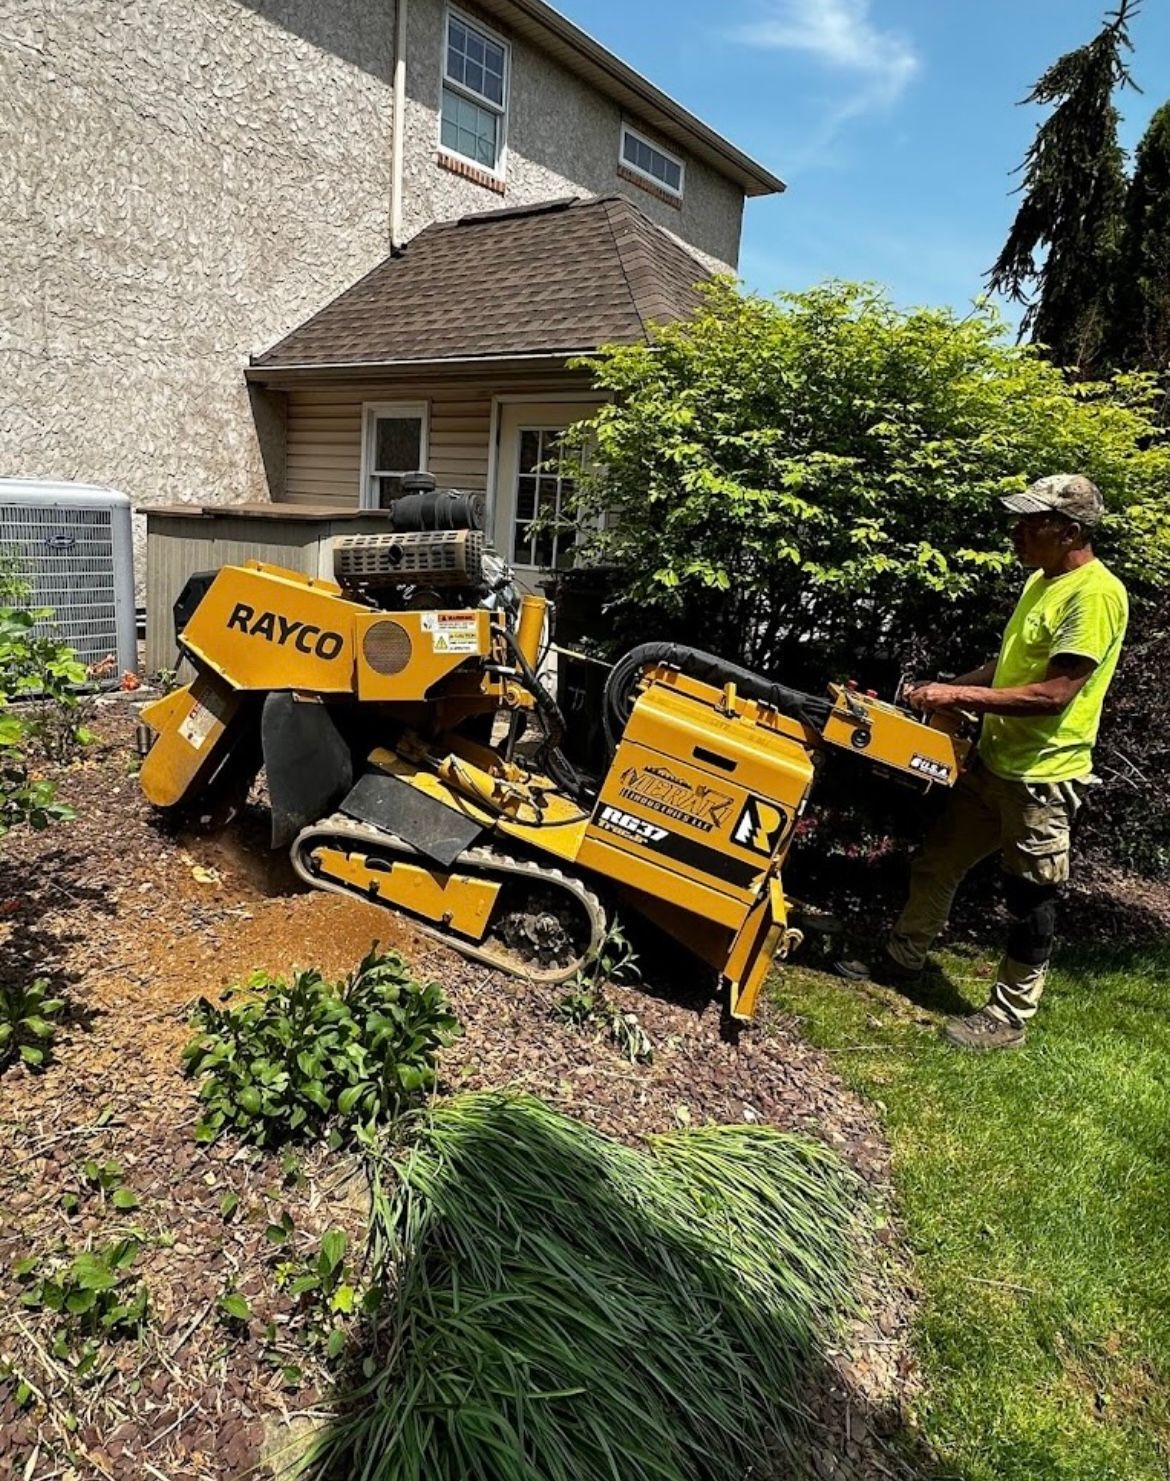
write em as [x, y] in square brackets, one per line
[1035, 1191]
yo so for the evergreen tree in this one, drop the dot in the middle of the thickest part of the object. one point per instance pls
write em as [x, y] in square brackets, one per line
[1141, 339]
[1073, 202]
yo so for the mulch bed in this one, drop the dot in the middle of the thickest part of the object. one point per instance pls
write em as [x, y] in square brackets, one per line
[134, 924]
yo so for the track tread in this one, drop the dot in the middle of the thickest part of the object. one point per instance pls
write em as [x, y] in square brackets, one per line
[343, 829]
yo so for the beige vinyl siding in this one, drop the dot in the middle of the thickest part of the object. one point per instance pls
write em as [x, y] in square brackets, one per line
[325, 431]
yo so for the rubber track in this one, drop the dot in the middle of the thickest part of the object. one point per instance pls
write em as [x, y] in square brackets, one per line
[345, 832]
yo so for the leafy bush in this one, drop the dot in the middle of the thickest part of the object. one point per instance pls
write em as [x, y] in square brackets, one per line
[567, 1307]
[45, 676]
[816, 478]
[288, 1059]
[26, 1022]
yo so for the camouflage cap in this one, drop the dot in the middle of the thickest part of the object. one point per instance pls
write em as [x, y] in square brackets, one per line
[1070, 494]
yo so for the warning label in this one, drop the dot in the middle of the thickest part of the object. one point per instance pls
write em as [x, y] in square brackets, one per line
[452, 632]
[197, 726]
[207, 711]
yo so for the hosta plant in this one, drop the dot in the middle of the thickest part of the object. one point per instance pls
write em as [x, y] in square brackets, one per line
[27, 1026]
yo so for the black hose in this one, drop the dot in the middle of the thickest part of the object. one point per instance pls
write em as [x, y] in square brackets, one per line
[618, 700]
[552, 721]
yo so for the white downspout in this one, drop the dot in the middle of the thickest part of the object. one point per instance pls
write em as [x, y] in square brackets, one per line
[398, 149]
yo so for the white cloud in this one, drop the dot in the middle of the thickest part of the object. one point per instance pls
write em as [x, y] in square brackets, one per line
[841, 35]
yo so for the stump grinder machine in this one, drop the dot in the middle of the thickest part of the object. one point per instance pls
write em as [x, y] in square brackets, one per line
[413, 757]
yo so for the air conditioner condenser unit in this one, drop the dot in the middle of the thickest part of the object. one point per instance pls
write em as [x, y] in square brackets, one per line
[70, 545]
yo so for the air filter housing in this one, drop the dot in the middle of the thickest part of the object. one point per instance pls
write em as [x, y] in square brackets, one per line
[427, 558]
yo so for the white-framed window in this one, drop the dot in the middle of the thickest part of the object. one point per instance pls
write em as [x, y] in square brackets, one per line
[394, 443]
[542, 532]
[473, 117]
[651, 161]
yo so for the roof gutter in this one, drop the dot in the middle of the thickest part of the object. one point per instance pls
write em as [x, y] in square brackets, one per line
[763, 180]
[399, 143]
[264, 372]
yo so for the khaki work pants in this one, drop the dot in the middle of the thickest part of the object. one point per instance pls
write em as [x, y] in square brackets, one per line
[1029, 824]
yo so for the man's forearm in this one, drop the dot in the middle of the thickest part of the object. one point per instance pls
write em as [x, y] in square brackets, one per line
[1036, 700]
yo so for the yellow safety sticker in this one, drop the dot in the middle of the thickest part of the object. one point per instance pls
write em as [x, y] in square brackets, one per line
[452, 632]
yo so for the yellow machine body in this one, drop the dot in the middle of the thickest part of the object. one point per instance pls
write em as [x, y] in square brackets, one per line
[887, 736]
[690, 823]
[262, 629]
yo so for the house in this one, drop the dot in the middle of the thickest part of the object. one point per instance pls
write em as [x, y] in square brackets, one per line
[454, 356]
[186, 185]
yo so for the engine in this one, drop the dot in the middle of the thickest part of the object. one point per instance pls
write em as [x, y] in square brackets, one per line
[434, 555]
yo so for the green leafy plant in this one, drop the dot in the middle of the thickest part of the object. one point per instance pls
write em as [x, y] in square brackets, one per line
[324, 1288]
[45, 677]
[232, 1308]
[323, 1284]
[94, 1294]
[579, 1007]
[36, 667]
[11, 1382]
[630, 1037]
[28, 1022]
[105, 1179]
[287, 1059]
[585, 1005]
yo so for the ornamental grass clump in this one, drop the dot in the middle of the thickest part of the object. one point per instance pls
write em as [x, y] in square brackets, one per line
[565, 1308]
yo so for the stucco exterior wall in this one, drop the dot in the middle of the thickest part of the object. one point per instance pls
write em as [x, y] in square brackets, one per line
[562, 139]
[183, 181]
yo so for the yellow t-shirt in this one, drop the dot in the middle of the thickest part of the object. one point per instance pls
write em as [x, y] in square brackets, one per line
[1082, 612]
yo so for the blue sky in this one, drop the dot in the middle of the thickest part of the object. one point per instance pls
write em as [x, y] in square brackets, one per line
[893, 121]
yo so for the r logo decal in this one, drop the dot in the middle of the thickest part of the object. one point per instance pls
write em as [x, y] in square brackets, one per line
[760, 826]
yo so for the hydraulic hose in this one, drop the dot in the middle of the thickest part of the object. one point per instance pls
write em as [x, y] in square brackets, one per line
[552, 721]
[618, 700]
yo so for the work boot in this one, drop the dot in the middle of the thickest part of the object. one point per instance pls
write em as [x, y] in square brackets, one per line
[983, 1031]
[883, 970]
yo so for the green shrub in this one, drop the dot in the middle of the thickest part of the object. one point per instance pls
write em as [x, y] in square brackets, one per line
[45, 676]
[1126, 820]
[817, 477]
[288, 1059]
[27, 1026]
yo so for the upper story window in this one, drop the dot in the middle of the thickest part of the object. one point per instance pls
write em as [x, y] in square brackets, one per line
[655, 164]
[475, 93]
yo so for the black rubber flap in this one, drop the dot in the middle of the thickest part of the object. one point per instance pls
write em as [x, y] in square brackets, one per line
[307, 762]
[430, 826]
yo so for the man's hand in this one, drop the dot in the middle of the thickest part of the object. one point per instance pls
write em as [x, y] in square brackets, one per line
[927, 698]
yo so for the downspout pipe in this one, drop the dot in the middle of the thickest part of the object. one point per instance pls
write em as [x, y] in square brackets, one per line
[398, 149]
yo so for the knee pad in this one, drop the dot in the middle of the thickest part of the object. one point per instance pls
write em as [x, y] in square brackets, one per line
[1032, 908]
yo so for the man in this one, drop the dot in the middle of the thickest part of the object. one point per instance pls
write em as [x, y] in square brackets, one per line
[1041, 702]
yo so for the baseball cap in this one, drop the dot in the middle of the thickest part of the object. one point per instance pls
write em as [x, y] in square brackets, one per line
[1070, 494]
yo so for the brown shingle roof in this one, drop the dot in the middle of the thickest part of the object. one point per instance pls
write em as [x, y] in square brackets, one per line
[564, 276]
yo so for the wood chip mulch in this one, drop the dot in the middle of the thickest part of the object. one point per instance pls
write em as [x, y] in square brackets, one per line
[133, 924]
